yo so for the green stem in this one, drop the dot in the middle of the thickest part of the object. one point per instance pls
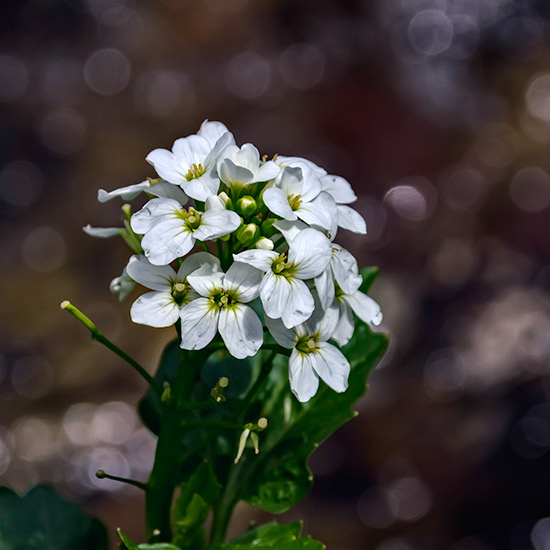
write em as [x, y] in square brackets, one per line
[165, 474]
[100, 474]
[224, 506]
[98, 336]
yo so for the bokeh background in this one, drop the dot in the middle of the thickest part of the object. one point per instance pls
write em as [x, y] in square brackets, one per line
[437, 111]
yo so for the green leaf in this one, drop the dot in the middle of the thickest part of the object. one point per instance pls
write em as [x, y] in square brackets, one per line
[156, 546]
[192, 507]
[272, 535]
[279, 476]
[43, 520]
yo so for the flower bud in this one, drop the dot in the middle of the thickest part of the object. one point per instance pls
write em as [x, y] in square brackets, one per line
[246, 206]
[267, 228]
[264, 243]
[248, 234]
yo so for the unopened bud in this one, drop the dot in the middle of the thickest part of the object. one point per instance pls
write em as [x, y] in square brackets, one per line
[264, 243]
[246, 206]
[217, 391]
[224, 197]
[267, 227]
[248, 234]
[126, 210]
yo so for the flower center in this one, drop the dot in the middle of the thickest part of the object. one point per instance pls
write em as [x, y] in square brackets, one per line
[223, 298]
[192, 219]
[281, 267]
[196, 171]
[307, 344]
[179, 292]
[295, 201]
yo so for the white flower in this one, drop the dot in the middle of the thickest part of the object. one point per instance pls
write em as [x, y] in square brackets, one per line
[222, 307]
[171, 291]
[312, 356]
[295, 197]
[362, 305]
[242, 167]
[157, 188]
[283, 292]
[344, 270]
[170, 231]
[340, 190]
[122, 285]
[192, 162]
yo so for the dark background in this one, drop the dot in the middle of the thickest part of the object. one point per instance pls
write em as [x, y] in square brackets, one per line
[437, 111]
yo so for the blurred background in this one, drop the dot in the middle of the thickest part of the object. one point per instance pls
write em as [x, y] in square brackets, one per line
[437, 112]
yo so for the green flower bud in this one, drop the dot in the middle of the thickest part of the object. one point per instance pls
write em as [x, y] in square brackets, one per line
[246, 206]
[248, 234]
[267, 227]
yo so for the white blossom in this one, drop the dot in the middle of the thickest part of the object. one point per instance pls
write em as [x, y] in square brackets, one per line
[102, 232]
[170, 231]
[362, 305]
[340, 190]
[312, 356]
[122, 285]
[171, 290]
[222, 307]
[192, 162]
[295, 197]
[240, 167]
[283, 292]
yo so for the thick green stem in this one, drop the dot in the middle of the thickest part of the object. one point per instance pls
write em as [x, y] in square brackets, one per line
[224, 507]
[166, 468]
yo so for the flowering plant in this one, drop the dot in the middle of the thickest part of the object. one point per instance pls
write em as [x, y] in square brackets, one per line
[237, 252]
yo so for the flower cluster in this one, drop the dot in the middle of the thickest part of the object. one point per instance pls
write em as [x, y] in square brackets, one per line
[265, 231]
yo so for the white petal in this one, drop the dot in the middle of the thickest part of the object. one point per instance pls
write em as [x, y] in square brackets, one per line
[259, 258]
[290, 230]
[216, 223]
[241, 330]
[126, 193]
[168, 191]
[300, 304]
[155, 309]
[194, 262]
[198, 324]
[364, 307]
[152, 276]
[304, 382]
[212, 131]
[276, 200]
[350, 219]
[166, 165]
[302, 163]
[267, 171]
[324, 323]
[346, 271]
[204, 186]
[214, 201]
[166, 241]
[153, 212]
[248, 157]
[291, 181]
[274, 293]
[190, 150]
[331, 365]
[339, 188]
[324, 284]
[230, 173]
[346, 325]
[319, 212]
[285, 337]
[310, 252]
[245, 280]
[206, 280]
[102, 232]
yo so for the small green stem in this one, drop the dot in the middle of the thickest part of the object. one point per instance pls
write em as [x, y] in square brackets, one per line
[98, 336]
[224, 506]
[100, 474]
